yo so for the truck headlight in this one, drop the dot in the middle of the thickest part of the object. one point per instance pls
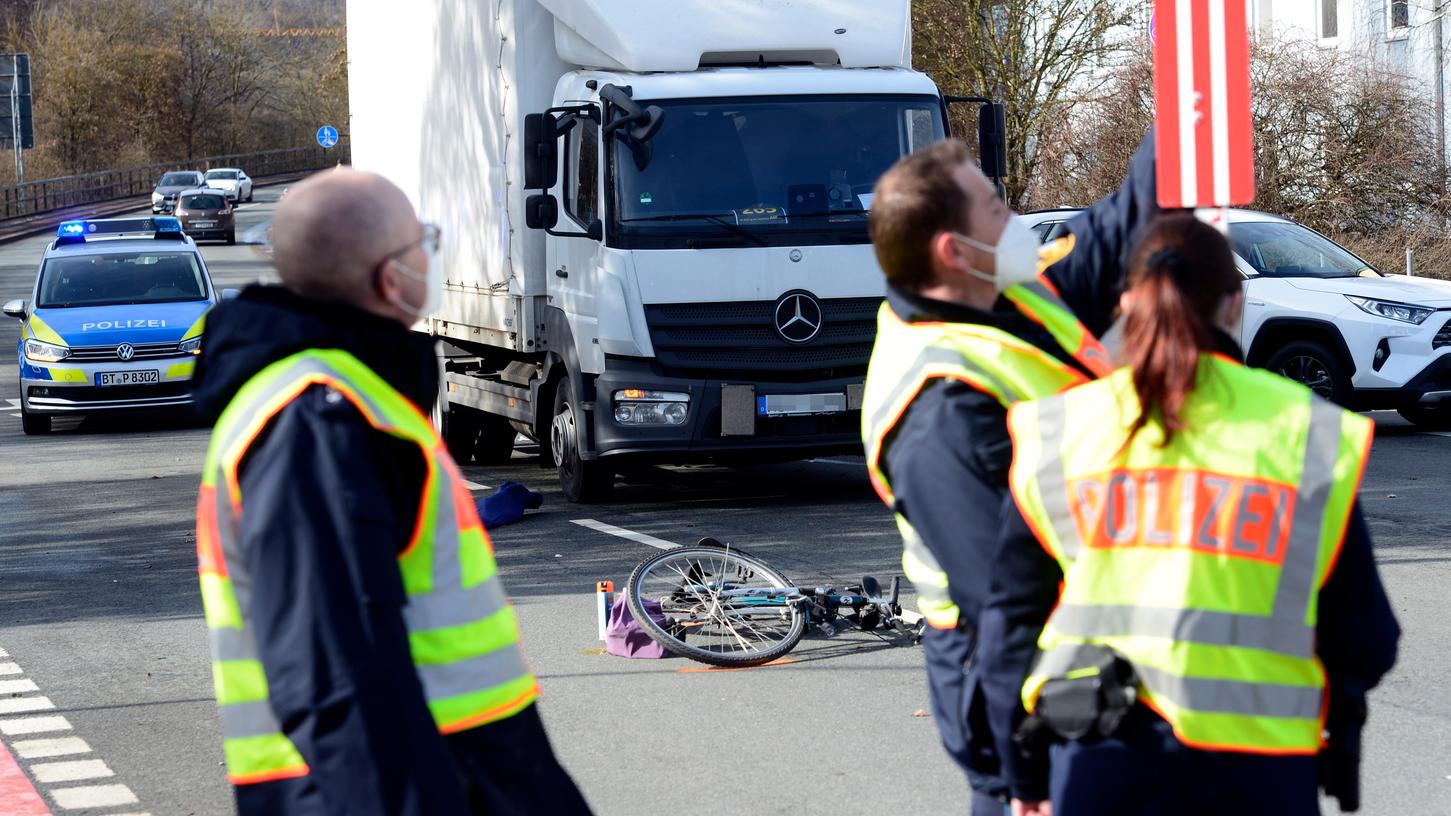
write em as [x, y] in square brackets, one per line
[191, 346]
[43, 352]
[634, 406]
[1391, 310]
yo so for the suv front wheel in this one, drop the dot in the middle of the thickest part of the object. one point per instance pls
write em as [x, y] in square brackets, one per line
[1428, 418]
[1314, 366]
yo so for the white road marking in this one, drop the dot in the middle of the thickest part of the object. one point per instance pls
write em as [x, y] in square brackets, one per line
[14, 406]
[23, 705]
[4, 653]
[17, 686]
[475, 485]
[1435, 433]
[93, 796]
[10, 668]
[33, 725]
[72, 770]
[860, 464]
[57, 746]
[620, 532]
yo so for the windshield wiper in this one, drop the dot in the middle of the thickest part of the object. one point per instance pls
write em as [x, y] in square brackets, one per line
[712, 218]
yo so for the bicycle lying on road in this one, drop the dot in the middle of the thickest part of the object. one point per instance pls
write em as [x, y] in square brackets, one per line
[724, 607]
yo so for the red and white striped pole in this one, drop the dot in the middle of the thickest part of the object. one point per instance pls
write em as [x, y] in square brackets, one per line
[1205, 141]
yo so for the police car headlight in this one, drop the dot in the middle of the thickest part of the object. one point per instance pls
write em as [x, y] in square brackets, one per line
[635, 406]
[192, 346]
[43, 352]
[1402, 312]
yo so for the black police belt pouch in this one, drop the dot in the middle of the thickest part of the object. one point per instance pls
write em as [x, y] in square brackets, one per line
[1090, 704]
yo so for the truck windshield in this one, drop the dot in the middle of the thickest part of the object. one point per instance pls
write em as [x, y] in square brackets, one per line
[1283, 250]
[765, 170]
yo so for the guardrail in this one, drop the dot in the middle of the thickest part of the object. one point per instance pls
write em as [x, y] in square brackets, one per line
[50, 195]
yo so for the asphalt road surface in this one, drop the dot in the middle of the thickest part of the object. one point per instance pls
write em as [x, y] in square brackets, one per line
[105, 692]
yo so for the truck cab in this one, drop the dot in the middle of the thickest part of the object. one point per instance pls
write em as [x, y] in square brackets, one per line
[664, 252]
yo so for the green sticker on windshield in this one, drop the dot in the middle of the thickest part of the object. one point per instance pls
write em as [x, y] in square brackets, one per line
[647, 198]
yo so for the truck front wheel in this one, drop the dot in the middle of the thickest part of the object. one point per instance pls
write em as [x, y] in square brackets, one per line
[581, 481]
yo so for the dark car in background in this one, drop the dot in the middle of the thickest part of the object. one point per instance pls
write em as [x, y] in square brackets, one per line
[206, 213]
[163, 198]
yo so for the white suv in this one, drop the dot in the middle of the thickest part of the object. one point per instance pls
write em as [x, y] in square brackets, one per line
[1319, 315]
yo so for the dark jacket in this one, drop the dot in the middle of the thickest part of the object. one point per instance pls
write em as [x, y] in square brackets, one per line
[1356, 634]
[949, 458]
[328, 505]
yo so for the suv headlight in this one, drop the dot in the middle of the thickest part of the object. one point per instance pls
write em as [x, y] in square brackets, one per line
[156, 198]
[1391, 310]
[190, 346]
[634, 406]
[43, 352]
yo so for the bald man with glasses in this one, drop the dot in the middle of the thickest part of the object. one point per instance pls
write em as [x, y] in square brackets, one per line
[365, 656]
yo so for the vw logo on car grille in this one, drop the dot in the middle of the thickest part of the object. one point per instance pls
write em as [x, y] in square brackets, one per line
[798, 317]
[125, 351]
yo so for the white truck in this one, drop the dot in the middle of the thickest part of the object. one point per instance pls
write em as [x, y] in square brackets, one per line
[654, 213]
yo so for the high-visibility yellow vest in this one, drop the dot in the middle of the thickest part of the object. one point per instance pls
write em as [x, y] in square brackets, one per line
[908, 356]
[1200, 562]
[461, 629]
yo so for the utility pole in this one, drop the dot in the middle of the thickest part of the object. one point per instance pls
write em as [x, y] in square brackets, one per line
[15, 118]
[1440, 56]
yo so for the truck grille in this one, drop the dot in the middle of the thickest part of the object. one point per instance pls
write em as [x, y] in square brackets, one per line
[733, 339]
[107, 354]
[1443, 337]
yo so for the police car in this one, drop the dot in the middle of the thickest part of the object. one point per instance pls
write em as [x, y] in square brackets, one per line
[114, 321]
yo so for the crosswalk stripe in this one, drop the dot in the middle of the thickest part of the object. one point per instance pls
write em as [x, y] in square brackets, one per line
[71, 770]
[33, 725]
[22, 705]
[93, 796]
[53, 747]
[10, 668]
[17, 686]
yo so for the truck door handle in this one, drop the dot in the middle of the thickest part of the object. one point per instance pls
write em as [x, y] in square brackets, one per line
[560, 273]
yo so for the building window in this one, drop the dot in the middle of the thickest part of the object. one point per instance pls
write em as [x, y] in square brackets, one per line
[1400, 14]
[1329, 19]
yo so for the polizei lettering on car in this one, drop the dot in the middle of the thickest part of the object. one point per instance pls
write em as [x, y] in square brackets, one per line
[104, 325]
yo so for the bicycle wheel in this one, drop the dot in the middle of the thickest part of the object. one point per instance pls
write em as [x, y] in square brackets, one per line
[734, 609]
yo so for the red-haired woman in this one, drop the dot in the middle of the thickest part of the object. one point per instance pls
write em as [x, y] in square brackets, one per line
[1218, 593]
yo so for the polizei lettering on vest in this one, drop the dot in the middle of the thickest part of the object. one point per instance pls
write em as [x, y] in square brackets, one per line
[1193, 509]
[104, 325]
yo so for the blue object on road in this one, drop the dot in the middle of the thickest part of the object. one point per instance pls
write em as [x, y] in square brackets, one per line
[327, 135]
[507, 504]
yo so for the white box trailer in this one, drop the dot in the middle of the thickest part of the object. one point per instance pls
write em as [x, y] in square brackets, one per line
[654, 213]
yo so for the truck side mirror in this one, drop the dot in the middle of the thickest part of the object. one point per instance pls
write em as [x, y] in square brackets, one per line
[992, 141]
[541, 211]
[541, 151]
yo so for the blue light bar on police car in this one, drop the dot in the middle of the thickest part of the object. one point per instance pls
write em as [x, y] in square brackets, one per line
[162, 227]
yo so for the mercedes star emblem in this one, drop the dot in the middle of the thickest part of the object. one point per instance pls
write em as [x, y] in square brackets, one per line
[125, 351]
[798, 317]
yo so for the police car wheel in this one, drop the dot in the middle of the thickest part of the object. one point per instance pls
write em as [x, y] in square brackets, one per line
[231, 238]
[581, 480]
[34, 424]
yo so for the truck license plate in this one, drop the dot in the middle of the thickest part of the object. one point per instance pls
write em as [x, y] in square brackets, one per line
[779, 405]
[128, 377]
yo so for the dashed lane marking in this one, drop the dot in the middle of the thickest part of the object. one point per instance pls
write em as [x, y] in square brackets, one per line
[63, 757]
[14, 405]
[620, 532]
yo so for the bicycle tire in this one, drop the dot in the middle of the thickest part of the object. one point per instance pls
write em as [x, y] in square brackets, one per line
[724, 556]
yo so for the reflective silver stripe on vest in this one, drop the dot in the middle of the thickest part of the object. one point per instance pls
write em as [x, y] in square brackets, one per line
[916, 548]
[1317, 480]
[1052, 484]
[454, 606]
[232, 644]
[1196, 694]
[474, 674]
[254, 719]
[1188, 625]
[930, 356]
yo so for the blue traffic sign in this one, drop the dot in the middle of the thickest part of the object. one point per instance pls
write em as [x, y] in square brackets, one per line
[327, 135]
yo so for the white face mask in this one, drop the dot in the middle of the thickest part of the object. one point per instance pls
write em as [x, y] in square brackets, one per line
[432, 280]
[1015, 256]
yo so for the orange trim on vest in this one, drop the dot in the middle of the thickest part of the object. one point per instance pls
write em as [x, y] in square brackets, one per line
[484, 717]
[423, 514]
[290, 772]
[210, 559]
